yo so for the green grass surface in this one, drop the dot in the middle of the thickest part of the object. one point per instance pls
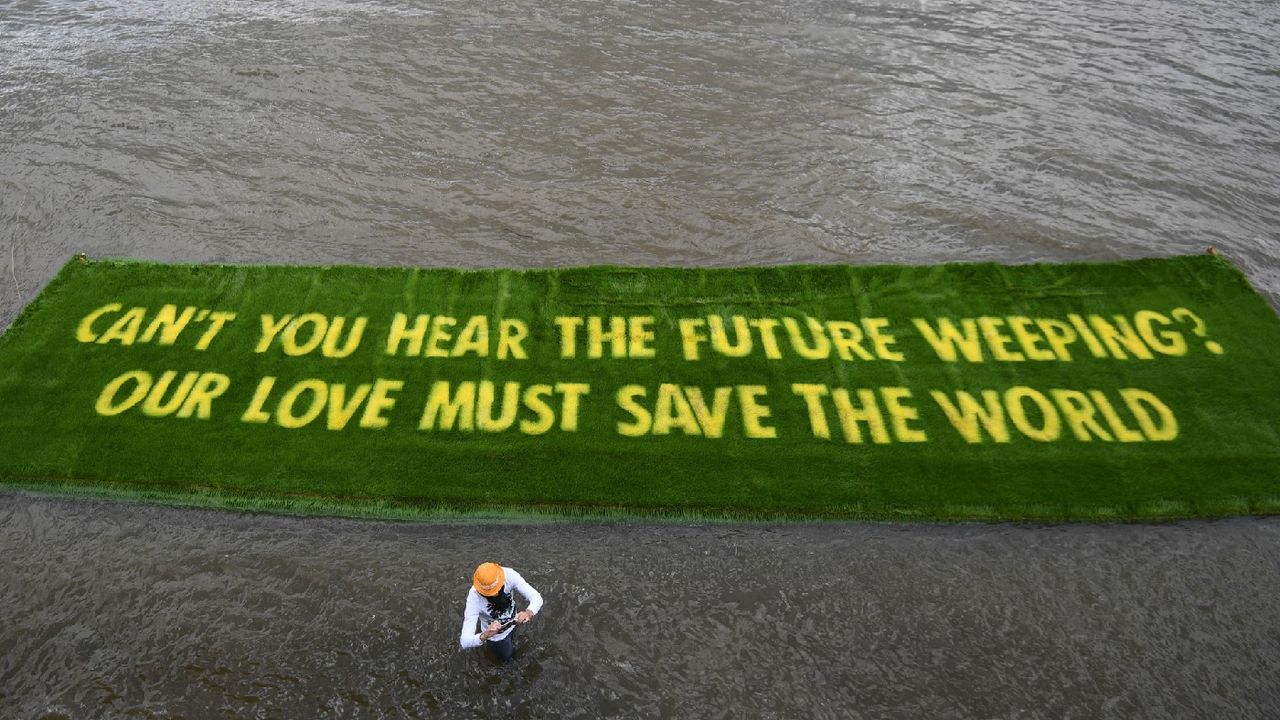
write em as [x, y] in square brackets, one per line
[1210, 356]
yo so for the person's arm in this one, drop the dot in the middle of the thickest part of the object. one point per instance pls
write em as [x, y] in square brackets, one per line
[530, 594]
[469, 637]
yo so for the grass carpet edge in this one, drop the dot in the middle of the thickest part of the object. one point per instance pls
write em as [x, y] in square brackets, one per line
[393, 509]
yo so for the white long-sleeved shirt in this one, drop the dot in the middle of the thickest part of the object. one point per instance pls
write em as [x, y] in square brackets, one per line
[478, 609]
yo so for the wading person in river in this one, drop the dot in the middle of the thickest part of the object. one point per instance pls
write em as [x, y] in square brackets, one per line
[491, 602]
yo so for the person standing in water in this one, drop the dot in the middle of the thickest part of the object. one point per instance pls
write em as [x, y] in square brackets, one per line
[491, 602]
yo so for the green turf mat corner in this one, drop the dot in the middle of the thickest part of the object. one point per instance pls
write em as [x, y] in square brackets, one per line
[1138, 390]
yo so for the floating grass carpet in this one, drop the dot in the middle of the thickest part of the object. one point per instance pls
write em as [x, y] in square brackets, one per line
[1144, 389]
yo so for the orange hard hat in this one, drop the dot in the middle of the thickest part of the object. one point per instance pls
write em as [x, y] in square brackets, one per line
[488, 579]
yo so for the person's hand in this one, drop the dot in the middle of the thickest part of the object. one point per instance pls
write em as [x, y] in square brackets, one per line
[494, 628]
[523, 617]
